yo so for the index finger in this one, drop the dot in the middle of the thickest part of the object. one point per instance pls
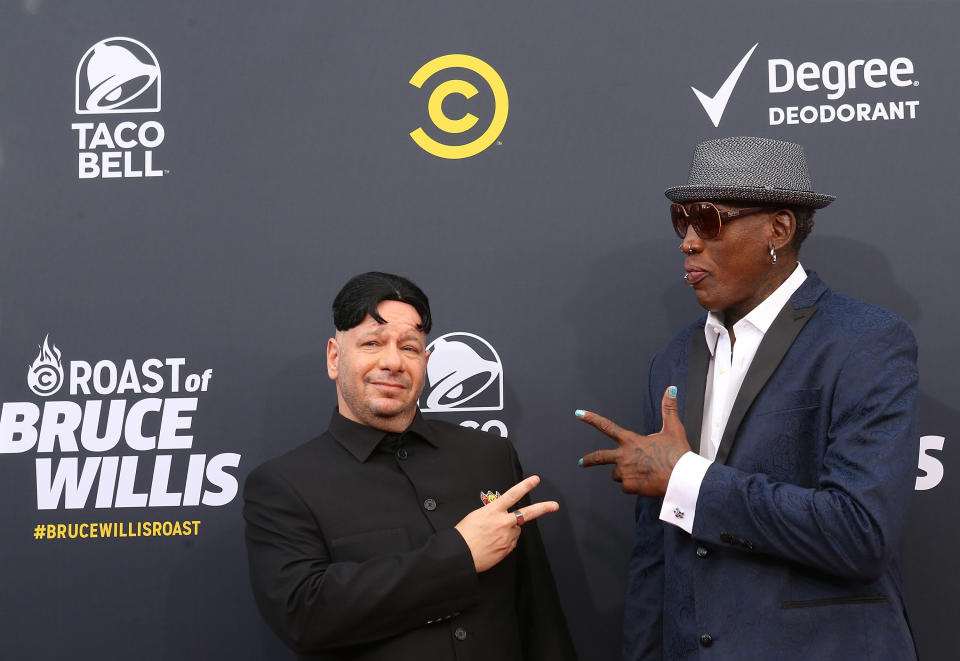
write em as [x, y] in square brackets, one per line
[513, 495]
[537, 510]
[607, 426]
[599, 458]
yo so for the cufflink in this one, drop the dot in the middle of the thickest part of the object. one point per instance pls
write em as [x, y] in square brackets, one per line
[677, 512]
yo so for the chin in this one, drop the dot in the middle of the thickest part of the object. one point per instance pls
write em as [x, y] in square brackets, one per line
[391, 410]
[703, 299]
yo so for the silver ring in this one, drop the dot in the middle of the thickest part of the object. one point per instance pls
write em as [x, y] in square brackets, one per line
[519, 516]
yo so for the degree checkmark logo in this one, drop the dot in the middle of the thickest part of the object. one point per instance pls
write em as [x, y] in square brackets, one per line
[716, 104]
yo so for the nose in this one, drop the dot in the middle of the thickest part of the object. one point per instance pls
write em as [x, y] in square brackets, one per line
[691, 242]
[391, 359]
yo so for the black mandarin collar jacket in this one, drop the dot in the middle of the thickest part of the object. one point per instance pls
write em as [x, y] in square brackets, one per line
[353, 552]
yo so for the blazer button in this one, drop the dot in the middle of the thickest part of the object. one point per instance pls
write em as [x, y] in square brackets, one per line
[429, 504]
[460, 633]
[706, 640]
[702, 552]
[402, 453]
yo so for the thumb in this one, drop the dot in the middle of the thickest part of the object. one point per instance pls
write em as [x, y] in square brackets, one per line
[669, 409]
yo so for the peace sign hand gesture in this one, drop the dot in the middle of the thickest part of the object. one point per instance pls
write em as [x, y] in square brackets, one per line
[492, 532]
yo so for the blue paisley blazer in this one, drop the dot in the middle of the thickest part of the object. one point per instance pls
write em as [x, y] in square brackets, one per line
[795, 545]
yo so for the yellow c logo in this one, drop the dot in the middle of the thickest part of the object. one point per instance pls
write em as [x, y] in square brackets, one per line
[466, 90]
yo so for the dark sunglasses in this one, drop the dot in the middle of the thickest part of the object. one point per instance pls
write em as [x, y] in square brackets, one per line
[705, 218]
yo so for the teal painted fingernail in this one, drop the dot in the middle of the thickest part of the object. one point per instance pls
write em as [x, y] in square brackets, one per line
[579, 413]
[580, 462]
[672, 392]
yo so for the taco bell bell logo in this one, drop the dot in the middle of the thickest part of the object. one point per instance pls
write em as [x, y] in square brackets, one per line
[464, 374]
[118, 75]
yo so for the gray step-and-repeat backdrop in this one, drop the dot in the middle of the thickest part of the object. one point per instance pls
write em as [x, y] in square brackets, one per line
[184, 186]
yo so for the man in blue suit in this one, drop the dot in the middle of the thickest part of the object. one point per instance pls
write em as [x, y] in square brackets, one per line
[769, 519]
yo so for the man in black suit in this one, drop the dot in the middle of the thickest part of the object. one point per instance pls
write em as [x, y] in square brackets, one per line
[371, 540]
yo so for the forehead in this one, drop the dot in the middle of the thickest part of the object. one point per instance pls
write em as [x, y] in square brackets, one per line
[398, 316]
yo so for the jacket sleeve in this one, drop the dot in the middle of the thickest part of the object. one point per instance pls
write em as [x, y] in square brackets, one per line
[314, 604]
[851, 521]
[543, 627]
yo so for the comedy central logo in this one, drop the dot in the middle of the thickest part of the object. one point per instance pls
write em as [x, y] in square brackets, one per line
[118, 75]
[466, 90]
[464, 373]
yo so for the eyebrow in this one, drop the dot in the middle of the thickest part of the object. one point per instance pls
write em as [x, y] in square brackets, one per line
[406, 335]
[412, 335]
[373, 332]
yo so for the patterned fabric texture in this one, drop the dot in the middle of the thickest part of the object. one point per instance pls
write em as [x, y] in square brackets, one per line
[795, 547]
[750, 169]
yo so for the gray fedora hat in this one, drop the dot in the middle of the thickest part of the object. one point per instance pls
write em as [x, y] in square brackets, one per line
[749, 170]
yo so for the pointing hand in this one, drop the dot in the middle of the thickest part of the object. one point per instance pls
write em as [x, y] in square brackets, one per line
[643, 464]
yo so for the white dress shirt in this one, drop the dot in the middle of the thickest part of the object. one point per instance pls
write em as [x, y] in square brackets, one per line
[724, 378]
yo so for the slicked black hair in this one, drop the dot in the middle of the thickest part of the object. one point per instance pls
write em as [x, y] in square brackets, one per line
[366, 291]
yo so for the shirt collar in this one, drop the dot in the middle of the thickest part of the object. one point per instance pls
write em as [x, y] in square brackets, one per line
[760, 317]
[361, 440]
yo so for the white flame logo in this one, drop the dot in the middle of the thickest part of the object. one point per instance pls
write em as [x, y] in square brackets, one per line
[45, 375]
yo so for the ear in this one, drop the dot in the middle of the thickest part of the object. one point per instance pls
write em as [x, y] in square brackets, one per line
[426, 357]
[783, 227]
[333, 357]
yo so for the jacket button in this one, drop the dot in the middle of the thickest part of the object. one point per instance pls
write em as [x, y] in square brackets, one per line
[702, 552]
[460, 633]
[402, 453]
[706, 640]
[429, 504]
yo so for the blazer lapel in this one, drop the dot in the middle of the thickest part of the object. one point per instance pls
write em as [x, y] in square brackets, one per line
[774, 345]
[696, 385]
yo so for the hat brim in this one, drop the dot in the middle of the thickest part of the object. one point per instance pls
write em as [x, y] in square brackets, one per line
[683, 194]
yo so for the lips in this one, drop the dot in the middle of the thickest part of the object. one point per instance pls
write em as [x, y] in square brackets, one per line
[389, 386]
[694, 274]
